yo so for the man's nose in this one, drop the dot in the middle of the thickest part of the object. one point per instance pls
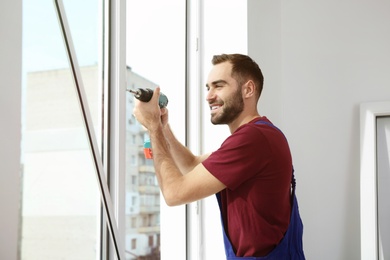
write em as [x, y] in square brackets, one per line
[210, 96]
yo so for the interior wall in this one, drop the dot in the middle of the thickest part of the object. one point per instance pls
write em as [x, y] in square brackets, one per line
[321, 59]
[10, 130]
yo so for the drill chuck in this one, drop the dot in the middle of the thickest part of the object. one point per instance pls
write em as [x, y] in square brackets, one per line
[145, 95]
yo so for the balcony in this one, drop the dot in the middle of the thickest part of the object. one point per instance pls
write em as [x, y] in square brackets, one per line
[148, 230]
[146, 169]
[148, 189]
[148, 209]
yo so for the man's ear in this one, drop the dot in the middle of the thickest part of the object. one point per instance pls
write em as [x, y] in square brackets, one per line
[249, 89]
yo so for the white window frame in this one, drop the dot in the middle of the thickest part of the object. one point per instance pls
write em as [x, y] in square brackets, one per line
[368, 177]
[115, 107]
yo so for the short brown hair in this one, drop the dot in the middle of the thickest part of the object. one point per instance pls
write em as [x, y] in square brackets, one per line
[243, 69]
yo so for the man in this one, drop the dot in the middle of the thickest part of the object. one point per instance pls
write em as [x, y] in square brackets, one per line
[251, 172]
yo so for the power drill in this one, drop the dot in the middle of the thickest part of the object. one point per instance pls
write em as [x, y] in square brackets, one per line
[145, 95]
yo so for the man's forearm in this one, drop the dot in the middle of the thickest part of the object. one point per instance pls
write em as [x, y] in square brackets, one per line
[167, 172]
[182, 156]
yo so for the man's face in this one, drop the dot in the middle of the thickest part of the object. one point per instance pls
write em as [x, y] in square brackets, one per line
[224, 95]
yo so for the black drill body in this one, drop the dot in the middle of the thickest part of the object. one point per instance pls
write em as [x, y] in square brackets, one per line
[145, 95]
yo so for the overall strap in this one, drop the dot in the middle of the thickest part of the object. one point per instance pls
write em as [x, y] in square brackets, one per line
[293, 181]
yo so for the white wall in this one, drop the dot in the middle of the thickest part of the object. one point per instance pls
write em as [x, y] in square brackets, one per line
[321, 59]
[10, 130]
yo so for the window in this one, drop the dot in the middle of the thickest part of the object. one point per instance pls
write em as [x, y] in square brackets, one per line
[156, 56]
[133, 243]
[60, 192]
[60, 197]
[151, 241]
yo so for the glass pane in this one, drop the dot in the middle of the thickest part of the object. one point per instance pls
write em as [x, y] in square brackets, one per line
[155, 57]
[60, 197]
[383, 175]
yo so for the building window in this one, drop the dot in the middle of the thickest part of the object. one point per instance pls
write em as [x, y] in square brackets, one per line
[133, 243]
[133, 180]
[133, 160]
[134, 222]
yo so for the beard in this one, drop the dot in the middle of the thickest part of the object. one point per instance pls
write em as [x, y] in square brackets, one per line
[231, 109]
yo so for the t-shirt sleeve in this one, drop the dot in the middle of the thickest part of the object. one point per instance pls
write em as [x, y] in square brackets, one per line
[242, 156]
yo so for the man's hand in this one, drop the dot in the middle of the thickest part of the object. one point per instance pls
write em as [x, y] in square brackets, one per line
[149, 113]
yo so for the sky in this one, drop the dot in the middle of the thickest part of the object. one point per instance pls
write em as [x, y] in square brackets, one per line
[43, 45]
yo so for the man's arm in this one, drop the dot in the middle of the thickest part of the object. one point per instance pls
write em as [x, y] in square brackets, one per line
[183, 157]
[178, 186]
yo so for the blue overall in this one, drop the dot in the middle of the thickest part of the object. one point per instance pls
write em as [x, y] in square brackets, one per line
[290, 247]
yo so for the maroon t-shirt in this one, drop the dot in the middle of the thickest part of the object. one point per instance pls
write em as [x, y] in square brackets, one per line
[255, 165]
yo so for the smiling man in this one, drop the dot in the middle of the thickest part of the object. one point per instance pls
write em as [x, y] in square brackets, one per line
[251, 173]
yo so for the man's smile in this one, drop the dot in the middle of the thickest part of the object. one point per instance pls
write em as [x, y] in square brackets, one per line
[215, 107]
